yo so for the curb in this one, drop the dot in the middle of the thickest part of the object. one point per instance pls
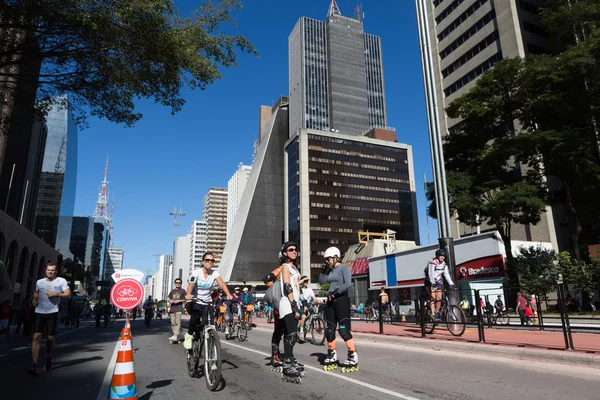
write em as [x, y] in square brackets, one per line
[491, 350]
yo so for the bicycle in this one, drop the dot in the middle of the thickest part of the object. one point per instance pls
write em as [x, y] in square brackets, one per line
[238, 328]
[501, 317]
[248, 315]
[206, 343]
[220, 319]
[316, 325]
[453, 316]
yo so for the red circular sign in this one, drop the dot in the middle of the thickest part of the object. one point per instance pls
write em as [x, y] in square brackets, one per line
[127, 294]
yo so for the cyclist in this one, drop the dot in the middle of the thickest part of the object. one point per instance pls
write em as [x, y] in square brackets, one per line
[307, 297]
[436, 268]
[232, 308]
[337, 310]
[289, 311]
[499, 305]
[245, 300]
[464, 304]
[148, 311]
[200, 287]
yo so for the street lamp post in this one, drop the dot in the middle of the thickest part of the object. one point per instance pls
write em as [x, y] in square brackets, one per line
[435, 141]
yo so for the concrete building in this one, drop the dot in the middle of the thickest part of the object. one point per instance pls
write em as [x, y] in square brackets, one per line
[215, 215]
[468, 38]
[198, 244]
[335, 76]
[163, 278]
[257, 233]
[235, 189]
[114, 261]
[57, 188]
[339, 184]
[181, 257]
[148, 288]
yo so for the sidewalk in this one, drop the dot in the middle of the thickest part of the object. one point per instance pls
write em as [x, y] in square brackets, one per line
[546, 340]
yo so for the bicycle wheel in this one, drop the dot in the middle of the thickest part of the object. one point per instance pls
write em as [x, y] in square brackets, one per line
[317, 330]
[212, 360]
[242, 333]
[455, 320]
[503, 319]
[429, 323]
[193, 358]
[249, 322]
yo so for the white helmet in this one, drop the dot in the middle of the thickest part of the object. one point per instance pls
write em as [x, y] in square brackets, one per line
[332, 252]
[245, 289]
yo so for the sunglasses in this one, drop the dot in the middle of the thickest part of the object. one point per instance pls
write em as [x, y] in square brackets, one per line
[178, 283]
[292, 250]
[212, 260]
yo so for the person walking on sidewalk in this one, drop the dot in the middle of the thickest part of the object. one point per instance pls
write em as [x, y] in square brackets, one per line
[176, 300]
[337, 310]
[46, 299]
[521, 307]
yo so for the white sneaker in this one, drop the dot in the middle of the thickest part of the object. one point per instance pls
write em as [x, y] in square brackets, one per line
[187, 342]
[226, 331]
[173, 338]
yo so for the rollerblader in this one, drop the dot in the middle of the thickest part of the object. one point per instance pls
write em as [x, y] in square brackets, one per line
[337, 311]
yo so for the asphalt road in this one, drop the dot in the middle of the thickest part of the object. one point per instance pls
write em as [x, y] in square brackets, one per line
[83, 356]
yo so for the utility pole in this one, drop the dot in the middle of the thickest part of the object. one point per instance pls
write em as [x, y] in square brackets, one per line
[435, 143]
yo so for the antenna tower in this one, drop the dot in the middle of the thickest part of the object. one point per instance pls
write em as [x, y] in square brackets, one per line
[177, 219]
[333, 9]
[358, 12]
[102, 204]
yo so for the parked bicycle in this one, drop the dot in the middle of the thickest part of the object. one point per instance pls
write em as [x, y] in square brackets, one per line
[206, 343]
[314, 324]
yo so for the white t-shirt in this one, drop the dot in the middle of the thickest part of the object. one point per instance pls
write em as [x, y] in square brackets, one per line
[308, 294]
[203, 285]
[49, 305]
[285, 307]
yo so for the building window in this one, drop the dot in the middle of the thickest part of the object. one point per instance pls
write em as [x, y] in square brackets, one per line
[535, 29]
[473, 74]
[448, 10]
[533, 49]
[472, 52]
[461, 18]
[436, 3]
[531, 8]
[477, 26]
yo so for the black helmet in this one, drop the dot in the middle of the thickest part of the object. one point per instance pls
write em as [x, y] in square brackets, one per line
[287, 245]
[440, 252]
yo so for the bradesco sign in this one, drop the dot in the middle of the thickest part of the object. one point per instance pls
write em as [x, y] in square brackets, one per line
[127, 294]
[127, 274]
[486, 267]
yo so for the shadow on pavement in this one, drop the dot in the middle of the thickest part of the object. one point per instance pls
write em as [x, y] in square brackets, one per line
[320, 357]
[233, 366]
[156, 385]
[78, 361]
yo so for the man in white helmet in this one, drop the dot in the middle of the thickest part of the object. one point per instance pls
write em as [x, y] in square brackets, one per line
[337, 310]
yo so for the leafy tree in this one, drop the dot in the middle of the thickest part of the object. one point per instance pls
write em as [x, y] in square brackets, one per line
[585, 277]
[105, 54]
[485, 181]
[537, 270]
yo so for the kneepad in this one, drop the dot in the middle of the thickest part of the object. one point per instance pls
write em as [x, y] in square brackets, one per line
[291, 338]
[345, 333]
[329, 334]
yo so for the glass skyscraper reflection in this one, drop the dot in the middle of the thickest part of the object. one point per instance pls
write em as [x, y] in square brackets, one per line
[56, 195]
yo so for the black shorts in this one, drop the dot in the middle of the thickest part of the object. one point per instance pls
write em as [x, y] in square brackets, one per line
[46, 323]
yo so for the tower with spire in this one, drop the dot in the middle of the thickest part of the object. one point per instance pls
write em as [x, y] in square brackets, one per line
[102, 204]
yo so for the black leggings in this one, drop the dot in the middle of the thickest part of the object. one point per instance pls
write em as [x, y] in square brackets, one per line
[277, 332]
[289, 326]
[338, 312]
[199, 313]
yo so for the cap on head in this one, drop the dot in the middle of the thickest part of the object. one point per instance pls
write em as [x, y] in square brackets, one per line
[332, 252]
[237, 288]
[245, 289]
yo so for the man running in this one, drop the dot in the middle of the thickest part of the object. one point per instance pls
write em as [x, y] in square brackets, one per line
[46, 298]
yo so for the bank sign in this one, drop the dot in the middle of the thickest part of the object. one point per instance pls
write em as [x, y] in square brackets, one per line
[486, 267]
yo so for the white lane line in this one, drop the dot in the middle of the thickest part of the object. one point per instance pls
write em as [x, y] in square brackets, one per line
[20, 348]
[103, 393]
[345, 378]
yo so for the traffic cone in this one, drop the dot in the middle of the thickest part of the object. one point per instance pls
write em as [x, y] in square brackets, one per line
[123, 380]
[536, 321]
[403, 316]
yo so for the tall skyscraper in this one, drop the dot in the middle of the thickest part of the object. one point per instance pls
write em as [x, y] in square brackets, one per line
[335, 76]
[235, 189]
[58, 180]
[215, 215]
[114, 261]
[163, 277]
[198, 244]
[181, 257]
[467, 38]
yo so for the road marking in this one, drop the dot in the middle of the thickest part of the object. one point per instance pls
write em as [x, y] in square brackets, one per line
[103, 393]
[20, 348]
[345, 378]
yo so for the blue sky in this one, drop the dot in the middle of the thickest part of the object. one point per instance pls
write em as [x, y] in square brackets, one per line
[166, 161]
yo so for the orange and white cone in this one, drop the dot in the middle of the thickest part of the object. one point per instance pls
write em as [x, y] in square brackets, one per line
[123, 380]
[403, 316]
[536, 321]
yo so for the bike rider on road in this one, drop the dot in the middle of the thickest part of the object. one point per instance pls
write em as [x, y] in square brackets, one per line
[307, 297]
[148, 310]
[246, 299]
[437, 269]
[200, 287]
[337, 310]
[232, 308]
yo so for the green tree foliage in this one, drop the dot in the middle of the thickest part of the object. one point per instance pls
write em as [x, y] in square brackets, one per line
[105, 54]
[584, 277]
[537, 270]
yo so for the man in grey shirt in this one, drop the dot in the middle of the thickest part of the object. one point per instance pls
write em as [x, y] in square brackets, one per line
[337, 310]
